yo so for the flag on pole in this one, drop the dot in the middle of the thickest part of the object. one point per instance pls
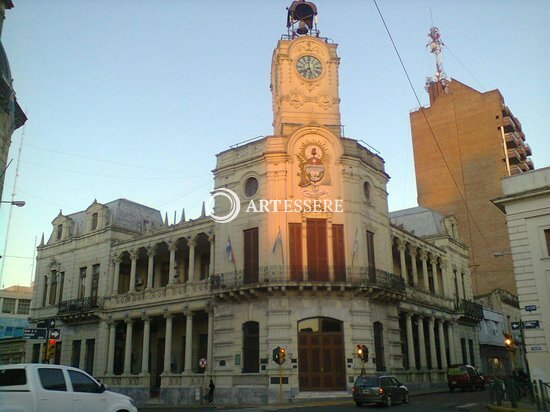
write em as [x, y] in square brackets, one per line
[278, 241]
[229, 250]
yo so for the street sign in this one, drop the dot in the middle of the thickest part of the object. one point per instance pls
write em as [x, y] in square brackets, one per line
[531, 308]
[516, 325]
[531, 324]
[48, 323]
[34, 333]
[536, 348]
[55, 334]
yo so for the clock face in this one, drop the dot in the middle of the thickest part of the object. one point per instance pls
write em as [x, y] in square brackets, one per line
[309, 67]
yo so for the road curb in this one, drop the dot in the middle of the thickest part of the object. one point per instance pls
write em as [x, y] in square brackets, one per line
[499, 408]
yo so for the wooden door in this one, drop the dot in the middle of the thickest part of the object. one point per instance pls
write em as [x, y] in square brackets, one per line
[317, 257]
[251, 261]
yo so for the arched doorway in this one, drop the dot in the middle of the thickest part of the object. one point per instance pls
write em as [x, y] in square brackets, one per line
[321, 358]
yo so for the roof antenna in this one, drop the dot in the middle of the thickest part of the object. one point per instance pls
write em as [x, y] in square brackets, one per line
[435, 46]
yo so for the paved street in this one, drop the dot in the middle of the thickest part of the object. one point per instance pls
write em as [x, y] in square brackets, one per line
[438, 402]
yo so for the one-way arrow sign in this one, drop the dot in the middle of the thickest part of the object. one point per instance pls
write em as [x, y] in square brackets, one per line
[55, 333]
[516, 325]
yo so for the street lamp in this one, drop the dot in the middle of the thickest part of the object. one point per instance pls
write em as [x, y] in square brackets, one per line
[500, 253]
[18, 203]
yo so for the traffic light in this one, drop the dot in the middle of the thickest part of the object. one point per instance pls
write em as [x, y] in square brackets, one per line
[279, 355]
[50, 351]
[509, 341]
[363, 352]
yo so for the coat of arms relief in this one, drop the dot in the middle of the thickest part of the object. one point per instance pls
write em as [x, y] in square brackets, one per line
[313, 162]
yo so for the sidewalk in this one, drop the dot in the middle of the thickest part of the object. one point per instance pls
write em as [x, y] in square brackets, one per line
[294, 403]
[507, 407]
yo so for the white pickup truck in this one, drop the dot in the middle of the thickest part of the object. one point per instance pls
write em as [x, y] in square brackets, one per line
[56, 388]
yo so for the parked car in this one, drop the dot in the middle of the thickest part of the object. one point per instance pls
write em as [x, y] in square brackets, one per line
[464, 377]
[382, 389]
[56, 388]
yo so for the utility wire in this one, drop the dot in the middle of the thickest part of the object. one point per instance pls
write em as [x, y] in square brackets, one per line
[469, 212]
[465, 68]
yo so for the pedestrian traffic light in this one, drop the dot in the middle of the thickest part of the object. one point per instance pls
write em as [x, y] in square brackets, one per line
[363, 352]
[50, 351]
[276, 358]
[279, 355]
[509, 341]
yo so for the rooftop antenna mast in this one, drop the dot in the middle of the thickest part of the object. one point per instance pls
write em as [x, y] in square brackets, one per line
[435, 45]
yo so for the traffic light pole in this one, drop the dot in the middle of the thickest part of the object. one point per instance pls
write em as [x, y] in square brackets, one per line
[281, 383]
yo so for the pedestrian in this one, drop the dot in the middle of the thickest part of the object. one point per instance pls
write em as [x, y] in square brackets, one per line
[211, 388]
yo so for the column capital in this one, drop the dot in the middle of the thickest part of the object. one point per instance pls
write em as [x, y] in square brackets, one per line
[400, 245]
[423, 254]
[172, 245]
[146, 318]
[134, 253]
[191, 241]
[188, 313]
[433, 259]
[211, 238]
[151, 250]
[168, 315]
[116, 258]
[413, 249]
[444, 263]
[129, 320]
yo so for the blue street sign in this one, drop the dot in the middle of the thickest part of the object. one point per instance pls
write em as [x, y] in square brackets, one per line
[531, 308]
[536, 348]
[34, 333]
[531, 324]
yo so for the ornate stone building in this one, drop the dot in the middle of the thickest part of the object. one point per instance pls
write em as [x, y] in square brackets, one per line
[313, 263]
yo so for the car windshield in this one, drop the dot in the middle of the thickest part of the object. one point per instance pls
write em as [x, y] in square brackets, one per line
[367, 382]
[457, 370]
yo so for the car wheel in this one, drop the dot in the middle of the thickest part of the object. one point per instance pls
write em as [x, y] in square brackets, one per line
[388, 402]
[359, 404]
[406, 397]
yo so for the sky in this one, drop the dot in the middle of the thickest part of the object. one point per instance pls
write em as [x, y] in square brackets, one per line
[133, 98]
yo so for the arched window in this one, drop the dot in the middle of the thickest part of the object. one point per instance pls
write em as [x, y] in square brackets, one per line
[366, 191]
[251, 347]
[94, 221]
[379, 346]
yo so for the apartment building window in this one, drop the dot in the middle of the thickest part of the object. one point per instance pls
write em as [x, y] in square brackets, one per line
[59, 232]
[8, 305]
[82, 283]
[547, 238]
[94, 221]
[61, 284]
[89, 356]
[53, 288]
[24, 306]
[75, 355]
[95, 280]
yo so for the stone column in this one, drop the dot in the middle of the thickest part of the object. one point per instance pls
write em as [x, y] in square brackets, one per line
[188, 342]
[452, 354]
[116, 275]
[212, 239]
[401, 248]
[150, 265]
[444, 278]
[442, 345]
[111, 349]
[191, 274]
[433, 261]
[433, 353]
[128, 348]
[133, 256]
[422, 343]
[172, 275]
[412, 253]
[424, 259]
[145, 352]
[168, 344]
[209, 351]
[304, 248]
[48, 287]
[410, 341]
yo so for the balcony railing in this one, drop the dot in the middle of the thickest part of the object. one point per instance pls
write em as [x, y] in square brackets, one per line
[76, 306]
[276, 275]
[470, 309]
